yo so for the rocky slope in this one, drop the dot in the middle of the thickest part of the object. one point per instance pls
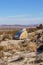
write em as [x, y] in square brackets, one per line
[22, 52]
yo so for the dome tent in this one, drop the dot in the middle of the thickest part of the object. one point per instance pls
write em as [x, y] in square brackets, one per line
[21, 34]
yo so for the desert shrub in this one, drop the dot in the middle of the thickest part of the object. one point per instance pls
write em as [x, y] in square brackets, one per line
[32, 47]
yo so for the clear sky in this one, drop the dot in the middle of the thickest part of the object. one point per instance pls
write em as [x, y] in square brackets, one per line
[21, 11]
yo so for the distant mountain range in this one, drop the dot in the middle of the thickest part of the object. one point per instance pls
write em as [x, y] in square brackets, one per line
[17, 26]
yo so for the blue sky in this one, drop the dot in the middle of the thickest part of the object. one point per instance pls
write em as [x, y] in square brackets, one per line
[21, 12]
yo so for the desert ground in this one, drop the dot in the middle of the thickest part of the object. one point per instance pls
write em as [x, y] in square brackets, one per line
[22, 52]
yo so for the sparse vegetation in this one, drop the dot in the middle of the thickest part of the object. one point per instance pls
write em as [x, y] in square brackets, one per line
[12, 50]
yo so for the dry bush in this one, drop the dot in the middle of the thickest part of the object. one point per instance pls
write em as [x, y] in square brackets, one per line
[32, 47]
[29, 46]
